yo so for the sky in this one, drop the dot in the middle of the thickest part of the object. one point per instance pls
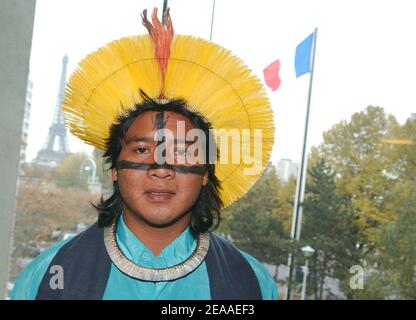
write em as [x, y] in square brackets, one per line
[365, 55]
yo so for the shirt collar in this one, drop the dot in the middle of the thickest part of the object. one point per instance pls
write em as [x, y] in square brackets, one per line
[176, 252]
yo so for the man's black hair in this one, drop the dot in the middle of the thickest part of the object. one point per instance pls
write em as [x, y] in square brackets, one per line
[205, 214]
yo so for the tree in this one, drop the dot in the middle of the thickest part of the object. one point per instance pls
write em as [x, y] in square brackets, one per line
[364, 165]
[328, 228]
[375, 163]
[285, 196]
[259, 234]
[68, 173]
[33, 170]
[262, 197]
[103, 171]
[404, 155]
[391, 269]
[397, 254]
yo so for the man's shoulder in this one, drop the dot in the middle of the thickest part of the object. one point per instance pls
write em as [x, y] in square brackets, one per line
[267, 285]
[28, 281]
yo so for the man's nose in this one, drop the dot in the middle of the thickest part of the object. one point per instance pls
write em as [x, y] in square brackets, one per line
[161, 172]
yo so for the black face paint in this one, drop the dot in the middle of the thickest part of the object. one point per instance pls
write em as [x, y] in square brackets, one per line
[159, 124]
[125, 164]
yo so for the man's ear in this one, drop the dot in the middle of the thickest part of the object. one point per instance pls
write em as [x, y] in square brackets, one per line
[114, 175]
[205, 179]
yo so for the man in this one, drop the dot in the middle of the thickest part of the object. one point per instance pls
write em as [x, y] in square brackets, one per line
[153, 103]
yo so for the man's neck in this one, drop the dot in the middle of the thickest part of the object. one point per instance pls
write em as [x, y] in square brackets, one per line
[156, 239]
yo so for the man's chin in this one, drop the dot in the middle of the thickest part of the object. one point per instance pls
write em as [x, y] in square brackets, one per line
[161, 223]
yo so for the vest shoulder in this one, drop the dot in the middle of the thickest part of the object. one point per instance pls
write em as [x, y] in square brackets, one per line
[267, 285]
[223, 241]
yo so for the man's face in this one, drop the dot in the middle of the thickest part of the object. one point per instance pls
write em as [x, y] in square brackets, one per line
[157, 196]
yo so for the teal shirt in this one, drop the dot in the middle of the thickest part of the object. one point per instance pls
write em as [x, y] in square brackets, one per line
[194, 286]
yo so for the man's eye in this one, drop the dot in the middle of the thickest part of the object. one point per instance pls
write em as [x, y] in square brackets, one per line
[142, 150]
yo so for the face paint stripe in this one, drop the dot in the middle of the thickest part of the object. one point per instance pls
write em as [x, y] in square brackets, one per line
[159, 119]
[125, 164]
[160, 125]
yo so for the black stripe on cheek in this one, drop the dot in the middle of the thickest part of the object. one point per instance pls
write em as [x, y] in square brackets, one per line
[125, 164]
[199, 170]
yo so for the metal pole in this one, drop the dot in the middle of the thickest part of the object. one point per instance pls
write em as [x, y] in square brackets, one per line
[304, 153]
[305, 275]
[301, 181]
[165, 6]
[212, 19]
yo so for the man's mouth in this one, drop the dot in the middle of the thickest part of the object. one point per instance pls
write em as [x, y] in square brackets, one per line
[160, 191]
[159, 195]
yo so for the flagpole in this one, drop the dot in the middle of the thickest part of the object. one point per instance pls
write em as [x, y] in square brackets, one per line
[301, 181]
[304, 151]
[165, 6]
[212, 20]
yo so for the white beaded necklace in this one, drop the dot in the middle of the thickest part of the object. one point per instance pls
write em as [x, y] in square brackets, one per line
[152, 274]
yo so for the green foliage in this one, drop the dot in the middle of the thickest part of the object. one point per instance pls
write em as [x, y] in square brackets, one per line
[391, 269]
[103, 173]
[404, 155]
[375, 163]
[328, 228]
[262, 196]
[397, 253]
[35, 171]
[68, 173]
[364, 164]
[259, 234]
[284, 210]
[377, 286]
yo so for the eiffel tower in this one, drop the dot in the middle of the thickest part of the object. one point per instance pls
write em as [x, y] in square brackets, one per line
[56, 145]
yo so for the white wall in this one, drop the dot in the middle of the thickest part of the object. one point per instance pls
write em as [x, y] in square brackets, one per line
[16, 27]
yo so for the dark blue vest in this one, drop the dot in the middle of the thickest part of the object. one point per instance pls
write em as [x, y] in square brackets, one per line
[87, 265]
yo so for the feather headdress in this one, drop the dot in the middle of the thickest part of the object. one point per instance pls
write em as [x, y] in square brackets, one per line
[210, 78]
